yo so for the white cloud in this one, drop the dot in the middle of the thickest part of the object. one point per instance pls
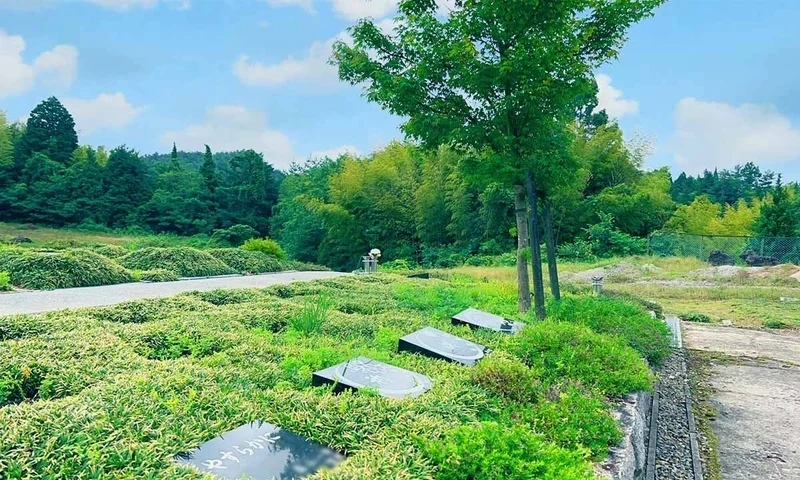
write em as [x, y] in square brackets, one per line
[233, 127]
[611, 99]
[336, 152]
[106, 111]
[307, 5]
[312, 68]
[58, 66]
[17, 76]
[718, 135]
[355, 9]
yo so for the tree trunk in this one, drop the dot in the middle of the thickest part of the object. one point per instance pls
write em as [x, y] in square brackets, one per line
[550, 242]
[536, 251]
[520, 211]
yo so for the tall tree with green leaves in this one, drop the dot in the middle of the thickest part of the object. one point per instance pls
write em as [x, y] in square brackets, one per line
[779, 218]
[209, 170]
[499, 78]
[175, 162]
[50, 131]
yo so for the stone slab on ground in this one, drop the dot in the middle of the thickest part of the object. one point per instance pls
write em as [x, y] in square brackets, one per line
[45, 301]
[739, 342]
[758, 400]
[758, 424]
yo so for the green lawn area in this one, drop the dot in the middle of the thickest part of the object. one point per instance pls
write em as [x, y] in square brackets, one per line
[116, 392]
[44, 235]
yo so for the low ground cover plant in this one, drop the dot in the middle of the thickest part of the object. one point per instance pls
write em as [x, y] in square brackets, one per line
[43, 270]
[245, 261]
[146, 380]
[183, 261]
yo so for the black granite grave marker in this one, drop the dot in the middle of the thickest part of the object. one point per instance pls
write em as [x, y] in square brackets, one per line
[261, 451]
[362, 372]
[478, 319]
[435, 343]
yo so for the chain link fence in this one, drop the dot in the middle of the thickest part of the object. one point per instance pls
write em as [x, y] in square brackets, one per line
[742, 250]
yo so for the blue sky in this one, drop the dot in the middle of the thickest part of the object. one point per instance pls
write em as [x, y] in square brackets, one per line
[711, 83]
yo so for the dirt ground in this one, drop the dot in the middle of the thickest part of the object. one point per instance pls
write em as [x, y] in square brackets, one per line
[757, 397]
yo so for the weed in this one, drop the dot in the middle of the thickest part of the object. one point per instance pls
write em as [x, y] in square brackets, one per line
[696, 317]
[313, 315]
[777, 324]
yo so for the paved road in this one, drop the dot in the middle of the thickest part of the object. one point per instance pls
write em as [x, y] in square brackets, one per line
[757, 398]
[45, 301]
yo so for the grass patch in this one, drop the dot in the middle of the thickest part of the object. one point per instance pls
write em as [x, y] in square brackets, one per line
[699, 367]
[745, 306]
[184, 262]
[145, 380]
[63, 269]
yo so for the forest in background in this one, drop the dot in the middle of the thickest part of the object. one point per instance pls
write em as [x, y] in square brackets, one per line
[416, 205]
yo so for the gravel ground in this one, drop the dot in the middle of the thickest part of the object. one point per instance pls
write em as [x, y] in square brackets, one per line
[45, 301]
[673, 450]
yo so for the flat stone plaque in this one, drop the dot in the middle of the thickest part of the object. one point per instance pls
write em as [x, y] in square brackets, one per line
[261, 451]
[362, 372]
[435, 343]
[479, 319]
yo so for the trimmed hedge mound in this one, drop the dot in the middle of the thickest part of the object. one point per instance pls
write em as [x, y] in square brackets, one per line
[158, 275]
[244, 261]
[185, 262]
[110, 251]
[63, 269]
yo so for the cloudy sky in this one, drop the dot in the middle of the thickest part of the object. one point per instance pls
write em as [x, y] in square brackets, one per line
[713, 83]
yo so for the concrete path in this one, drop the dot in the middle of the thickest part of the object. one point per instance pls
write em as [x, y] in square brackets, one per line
[45, 301]
[758, 400]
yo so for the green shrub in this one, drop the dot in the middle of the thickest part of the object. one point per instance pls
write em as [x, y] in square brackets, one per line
[507, 377]
[158, 275]
[265, 245]
[650, 337]
[110, 251]
[564, 352]
[648, 305]
[233, 236]
[184, 261]
[245, 261]
[578, 250]
[574, 419]
[490, 451]
[777, 324]
[607, 241]
[305, 267]
[696, 317]
[63, 269]
[5, 282]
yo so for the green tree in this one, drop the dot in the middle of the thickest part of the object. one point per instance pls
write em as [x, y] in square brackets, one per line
[248, 192]
[128, 185]
[498, 78]
[209, 171]
[175, 162]
[780, 217]
[51, 131]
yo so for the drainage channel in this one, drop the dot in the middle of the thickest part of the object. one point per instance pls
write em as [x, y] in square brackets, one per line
[672, 451]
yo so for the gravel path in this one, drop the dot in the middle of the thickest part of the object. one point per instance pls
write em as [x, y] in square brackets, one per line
[673, 452]
[45, 301]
